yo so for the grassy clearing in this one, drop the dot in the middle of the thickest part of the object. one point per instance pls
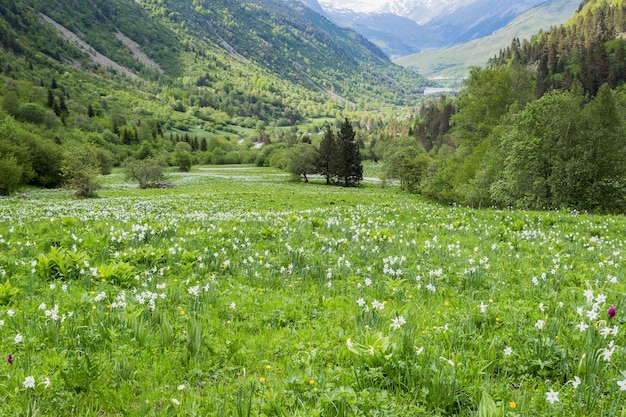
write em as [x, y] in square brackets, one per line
[239, 293]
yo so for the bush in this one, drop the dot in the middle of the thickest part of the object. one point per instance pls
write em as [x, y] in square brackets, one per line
[149, 172]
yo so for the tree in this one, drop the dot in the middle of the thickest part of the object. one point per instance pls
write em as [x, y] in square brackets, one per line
[183, 159]
[31, 112]
[604, 152]
[349, 168]
[80, 169]
[488, 96]
[11, 177]
[405, 161]
[327, 157]
[148, 172]
[301, 160]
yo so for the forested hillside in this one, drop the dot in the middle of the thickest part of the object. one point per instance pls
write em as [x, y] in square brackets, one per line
[588, 49]
[135, 79]
[542, 127]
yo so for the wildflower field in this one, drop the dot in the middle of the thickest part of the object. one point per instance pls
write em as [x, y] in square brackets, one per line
[238, 293]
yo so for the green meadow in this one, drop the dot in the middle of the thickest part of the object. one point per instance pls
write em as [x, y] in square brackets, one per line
[236, 292]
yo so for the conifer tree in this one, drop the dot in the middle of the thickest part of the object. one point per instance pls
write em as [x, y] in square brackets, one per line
[327, 160]
[350, 168]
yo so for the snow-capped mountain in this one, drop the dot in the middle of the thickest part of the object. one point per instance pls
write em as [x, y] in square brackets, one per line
[403, 27]
[420, 11]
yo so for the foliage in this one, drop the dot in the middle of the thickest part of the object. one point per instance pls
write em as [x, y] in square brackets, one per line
[407, 162]
[301, 160]
[183, 160]
[12, 173]
[80, 169]
[148, 172]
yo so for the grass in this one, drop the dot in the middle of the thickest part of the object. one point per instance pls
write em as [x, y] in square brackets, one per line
[237, 292]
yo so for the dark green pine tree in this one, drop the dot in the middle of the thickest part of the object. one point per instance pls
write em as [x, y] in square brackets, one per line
[327, 156]
[350, 168]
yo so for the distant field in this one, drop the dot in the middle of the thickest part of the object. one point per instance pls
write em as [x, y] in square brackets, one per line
[238, 293]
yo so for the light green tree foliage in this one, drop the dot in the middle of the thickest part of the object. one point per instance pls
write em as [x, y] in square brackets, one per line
[406, 161]
[301, 160]
[490, 98]
[80, 169]
[606, 146]
[540, 139]
[11, 177]
[561, 152]
[183, 159]
[278, 158]
[489, 95]
[148, 172]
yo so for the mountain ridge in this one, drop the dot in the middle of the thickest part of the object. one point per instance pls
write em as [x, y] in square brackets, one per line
[454, 62]
[419, 26]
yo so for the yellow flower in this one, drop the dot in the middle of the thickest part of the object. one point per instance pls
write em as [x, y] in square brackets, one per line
[268, 367]
[182, 312]
[311, 382]
[446, 303]
[262, 379]
[512, 404]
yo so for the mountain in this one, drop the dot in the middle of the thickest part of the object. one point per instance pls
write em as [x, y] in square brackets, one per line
[315, 6]
[454, 62]
[403, 27]
[135, 78]
[286, 40]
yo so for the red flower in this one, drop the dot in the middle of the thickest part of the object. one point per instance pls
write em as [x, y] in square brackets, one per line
[611, 312]
[10, 359]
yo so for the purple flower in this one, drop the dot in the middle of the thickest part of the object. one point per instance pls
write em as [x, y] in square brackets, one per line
[611, 312]
[10, 359]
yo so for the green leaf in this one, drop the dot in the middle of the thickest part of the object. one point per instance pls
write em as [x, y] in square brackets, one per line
[488, 407]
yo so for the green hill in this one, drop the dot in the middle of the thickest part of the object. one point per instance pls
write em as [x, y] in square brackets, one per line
[120, 74]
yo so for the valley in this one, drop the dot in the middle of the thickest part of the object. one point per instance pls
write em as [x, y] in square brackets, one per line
[242, 208]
